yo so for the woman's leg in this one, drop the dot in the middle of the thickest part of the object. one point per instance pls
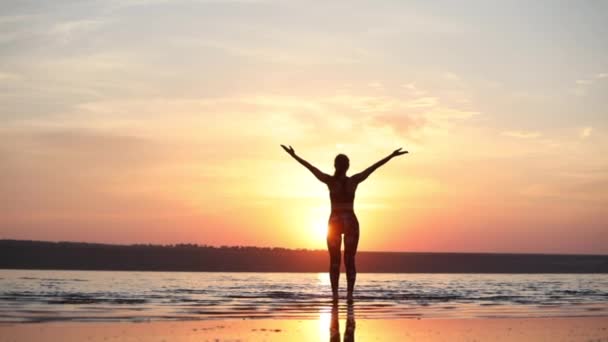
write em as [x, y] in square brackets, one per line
[351, 241]
[334, 242]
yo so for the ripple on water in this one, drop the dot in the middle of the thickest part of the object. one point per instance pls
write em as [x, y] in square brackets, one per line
[57, 295]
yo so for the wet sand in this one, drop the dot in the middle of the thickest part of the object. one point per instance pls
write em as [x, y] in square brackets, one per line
[530, 329]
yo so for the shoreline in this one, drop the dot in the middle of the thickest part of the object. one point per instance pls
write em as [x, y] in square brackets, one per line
[321, 329]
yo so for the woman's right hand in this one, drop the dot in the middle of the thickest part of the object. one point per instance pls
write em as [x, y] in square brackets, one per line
[289, 150]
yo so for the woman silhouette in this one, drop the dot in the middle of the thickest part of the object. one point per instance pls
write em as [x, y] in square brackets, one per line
[342, 219]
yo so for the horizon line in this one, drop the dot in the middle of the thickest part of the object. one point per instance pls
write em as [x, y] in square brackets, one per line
[197, 245]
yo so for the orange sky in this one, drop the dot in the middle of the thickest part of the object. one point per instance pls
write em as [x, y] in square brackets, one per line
[160, 122]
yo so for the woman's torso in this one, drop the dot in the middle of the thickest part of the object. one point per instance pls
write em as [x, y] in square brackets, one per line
[342, 194]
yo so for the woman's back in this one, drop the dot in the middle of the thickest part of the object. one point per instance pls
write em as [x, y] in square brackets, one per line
[342, 192]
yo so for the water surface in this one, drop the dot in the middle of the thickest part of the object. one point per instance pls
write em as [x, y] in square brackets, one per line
[35, 296]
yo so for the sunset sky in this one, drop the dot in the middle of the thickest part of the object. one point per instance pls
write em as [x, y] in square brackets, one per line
[143, 121]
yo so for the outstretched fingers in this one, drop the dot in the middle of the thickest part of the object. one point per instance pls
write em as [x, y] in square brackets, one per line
[288, 149]
[399, 152]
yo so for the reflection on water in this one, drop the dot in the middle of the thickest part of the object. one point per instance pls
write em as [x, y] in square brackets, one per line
[324, 325]
[334, 324]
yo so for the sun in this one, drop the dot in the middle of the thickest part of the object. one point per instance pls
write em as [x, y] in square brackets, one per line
[318, 227]
[313, 226]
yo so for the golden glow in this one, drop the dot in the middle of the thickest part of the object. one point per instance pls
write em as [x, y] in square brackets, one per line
[324, 324]
[323, 279]
[186, 150]
[318, 227]
[292, 330]
[324, 314]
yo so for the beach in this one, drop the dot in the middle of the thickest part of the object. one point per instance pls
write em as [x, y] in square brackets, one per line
[532, 329]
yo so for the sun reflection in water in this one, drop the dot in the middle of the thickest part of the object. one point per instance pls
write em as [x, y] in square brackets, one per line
[323, 279]
[324, 322]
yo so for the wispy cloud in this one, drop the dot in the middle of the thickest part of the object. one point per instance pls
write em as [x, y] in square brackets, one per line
[9, 76]
[68, 30]
[585, 132]
[414, 90]
[522, 134]
[583, 85]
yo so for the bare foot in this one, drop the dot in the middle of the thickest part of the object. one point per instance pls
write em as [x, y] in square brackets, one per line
[349, 298]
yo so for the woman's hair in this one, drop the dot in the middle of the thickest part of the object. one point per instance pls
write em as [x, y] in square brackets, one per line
[341, 163]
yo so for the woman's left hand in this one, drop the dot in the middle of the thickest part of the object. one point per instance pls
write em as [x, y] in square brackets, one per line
[398, 152]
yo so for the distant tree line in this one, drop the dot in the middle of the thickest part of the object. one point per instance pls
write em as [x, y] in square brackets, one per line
[19, 254]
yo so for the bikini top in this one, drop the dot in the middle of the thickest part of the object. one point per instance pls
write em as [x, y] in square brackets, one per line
[341, 190]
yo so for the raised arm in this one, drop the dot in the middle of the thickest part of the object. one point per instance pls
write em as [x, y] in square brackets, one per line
[323, 177]
[361, 176]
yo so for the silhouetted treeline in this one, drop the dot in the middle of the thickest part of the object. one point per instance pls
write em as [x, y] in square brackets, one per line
[15, 254]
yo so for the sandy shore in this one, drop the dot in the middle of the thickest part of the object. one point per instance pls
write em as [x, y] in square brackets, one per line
[533, 329]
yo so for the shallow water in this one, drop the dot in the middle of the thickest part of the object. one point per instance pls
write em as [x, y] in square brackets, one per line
[34, 296]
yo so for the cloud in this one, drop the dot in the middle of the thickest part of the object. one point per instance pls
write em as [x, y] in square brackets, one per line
[343, 116]
[79, 149]
[375, 84]
[522, 134]
[402, 124]
[53, 170]
[305, 53]
[9, 76]
[582, 85]
[423, 102]
[11, 19]
[69, 30]
[43, 29]
[451, 76]
[414, 90]
[585, 132]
